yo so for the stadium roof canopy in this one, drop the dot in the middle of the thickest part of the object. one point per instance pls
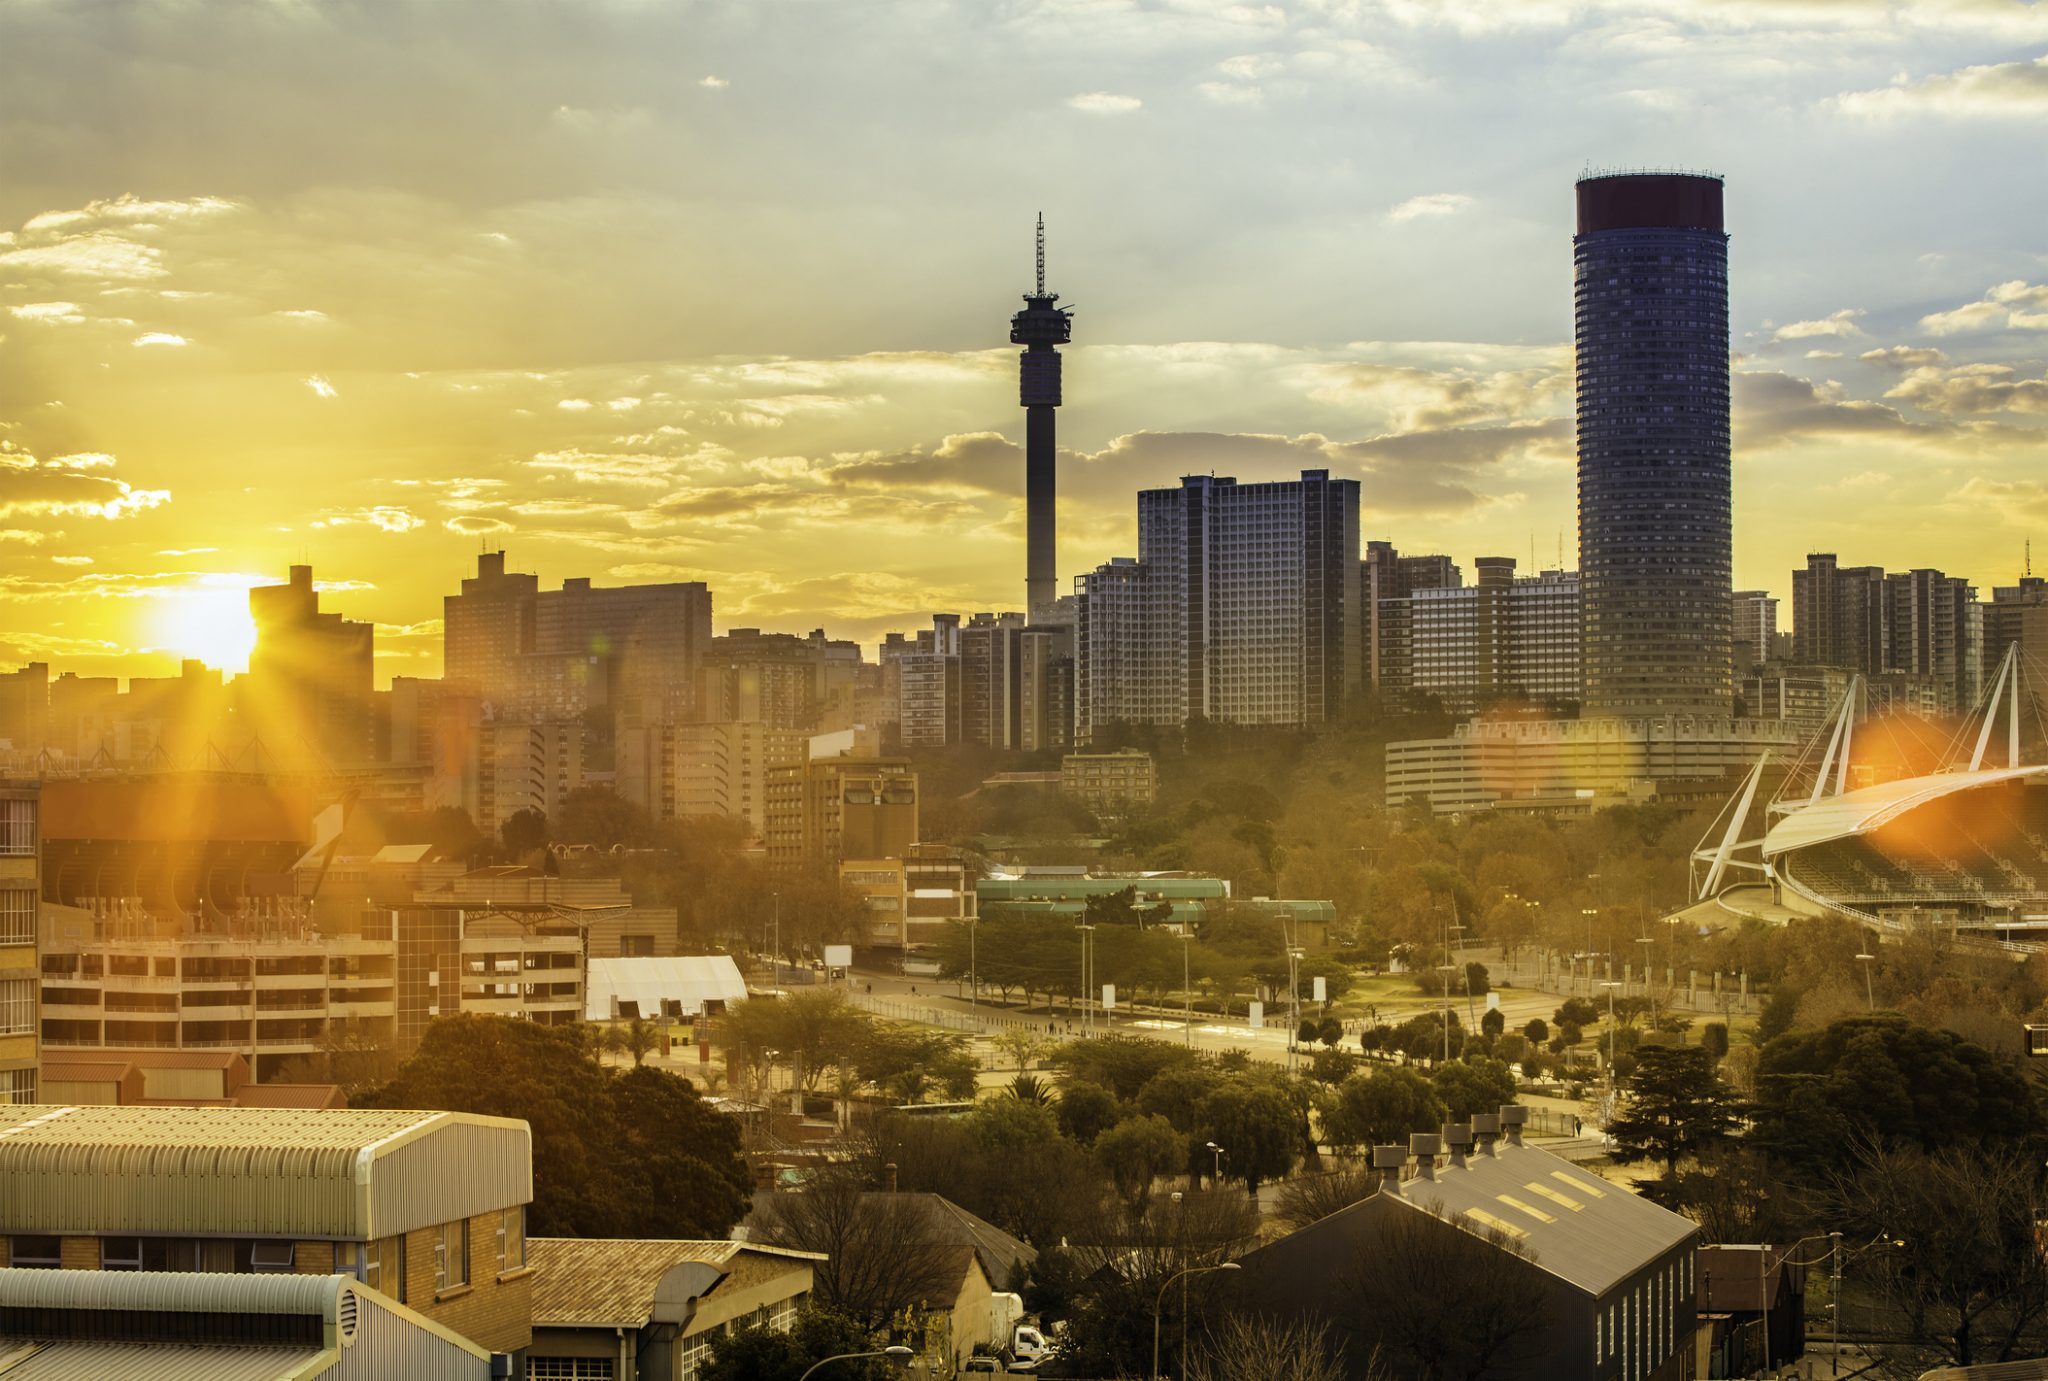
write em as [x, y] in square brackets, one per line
[1867, 808]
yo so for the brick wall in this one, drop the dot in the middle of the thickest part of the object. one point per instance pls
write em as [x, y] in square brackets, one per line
[494, 1311]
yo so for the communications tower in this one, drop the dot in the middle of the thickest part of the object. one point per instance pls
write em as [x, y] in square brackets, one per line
[1039, 328]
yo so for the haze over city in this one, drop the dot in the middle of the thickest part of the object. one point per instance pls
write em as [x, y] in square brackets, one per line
[718, 292]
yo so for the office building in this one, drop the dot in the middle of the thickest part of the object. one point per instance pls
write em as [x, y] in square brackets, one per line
[1838, 614]
[827, 810]
[1655, 536]
[2018, 614]
[524, 765]
[557, 653]
[1756, 629]
[679, 771]
[1470, 647]
[803, 684]
[25, 709]
[426, 1209]
[1110, 784]
[20, 961]
[1244, 606]
[307, 692]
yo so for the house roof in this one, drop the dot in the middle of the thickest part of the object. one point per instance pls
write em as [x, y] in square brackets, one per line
[690, 980]
[951, 1224]
[346, 1173]
[67, 1360]
[1584, 1230]
[612, 1282]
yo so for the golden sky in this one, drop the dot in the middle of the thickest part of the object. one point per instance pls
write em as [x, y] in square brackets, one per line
[720, 290]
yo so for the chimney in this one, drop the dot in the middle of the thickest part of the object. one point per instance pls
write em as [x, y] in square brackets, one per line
[1511, 1119]
[1425, 1146]
[889, 1177]
[1458, 1141]
[1486, 1131]
[1390, 1162]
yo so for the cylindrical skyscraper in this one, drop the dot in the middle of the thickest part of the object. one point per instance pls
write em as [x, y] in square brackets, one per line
[1040, 327]
[1655, 533]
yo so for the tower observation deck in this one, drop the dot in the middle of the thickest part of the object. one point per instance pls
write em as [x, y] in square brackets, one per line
[1042, 326]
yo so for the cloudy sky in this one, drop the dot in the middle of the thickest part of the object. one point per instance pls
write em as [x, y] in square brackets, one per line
[650, 289]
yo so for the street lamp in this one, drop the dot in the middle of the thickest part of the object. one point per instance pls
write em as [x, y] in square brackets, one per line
[1869, 993]
[1645, 941]
[898, 1353]
[1610, 985]
[1187, 987]
[1220, 1154]
[1087, 1012]
[1159, 1303]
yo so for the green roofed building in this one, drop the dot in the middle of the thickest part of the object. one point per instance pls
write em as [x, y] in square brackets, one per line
[1192, 899]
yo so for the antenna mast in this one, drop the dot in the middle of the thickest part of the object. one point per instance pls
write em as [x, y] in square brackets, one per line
[1041, 254]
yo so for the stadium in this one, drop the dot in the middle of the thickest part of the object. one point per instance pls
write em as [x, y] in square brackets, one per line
[1894, 825]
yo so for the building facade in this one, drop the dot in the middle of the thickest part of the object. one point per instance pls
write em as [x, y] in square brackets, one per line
[308, 689]
[1756, 629]
[1498, 639]
[20, 961]
[825, 811]
[1389, 580]
[1655, 526]
[1244, 606]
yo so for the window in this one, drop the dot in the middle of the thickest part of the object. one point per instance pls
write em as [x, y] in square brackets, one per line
[511, 1238]
[18, 916]
[581, 1368]
[17, 1086]
[17, 1004]
[400, 1254]
[120, 1253]
[451, 1255]
[36, 1251]
[271, 1256]
[372, 1273]
[17, 828]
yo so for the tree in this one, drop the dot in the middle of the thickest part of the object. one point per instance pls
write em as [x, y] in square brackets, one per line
[1245, 1347]
[1957, 1249]
[1309, 1199]
[1537, 1031]
[1330, 1032]
[1446, 1303]
[524, 831]
[1177, 1094]
[759, 1353]
[1332, 1067]
[1087, 1110]
[1474, 1084]
[1676, 1106]
[1577, 1011]
[643, 1038]
[1121, 1064]
[1256, 1124]
[1138, 1151]
[881, 1256]
[599, 816]
[1714, 1039]
[1381, 1108]
[1492, 1023]
[614, 1154]
[1478, 983]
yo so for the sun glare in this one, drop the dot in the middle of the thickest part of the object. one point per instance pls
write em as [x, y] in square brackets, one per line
[210, 623]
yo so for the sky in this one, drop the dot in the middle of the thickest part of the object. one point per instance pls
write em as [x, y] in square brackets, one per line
[652, 289]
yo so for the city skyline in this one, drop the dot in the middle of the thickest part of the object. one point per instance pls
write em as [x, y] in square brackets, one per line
[227, 355]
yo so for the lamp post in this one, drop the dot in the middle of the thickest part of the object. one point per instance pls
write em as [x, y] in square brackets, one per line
[973, 975]
[1087, 1012]
[1187, 987]
[1869, 992]
[1610, 985]
[1645, 941]
[897, 1353]
[1293, 1003]
[1159, 1304]
[1220, 1154]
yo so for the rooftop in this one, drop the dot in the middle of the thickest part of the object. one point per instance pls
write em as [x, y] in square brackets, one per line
[1865, 809]
[613, 1283]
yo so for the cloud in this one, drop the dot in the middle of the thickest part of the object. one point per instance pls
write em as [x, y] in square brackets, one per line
[66, 313]
[1840, 324]
[160, 338]
[475, 524]
[713, 83]
[72, 560]
[1411, 398]
[1972, 388]
[976, 462]
[1771, 407]
[1430, 204]
[1900, 358]
[2016, 306]
[383, 517]
[321, 388]
[2013, 498]
[1103, 103]
[647, 471]
[2004, 89]
[27, 537]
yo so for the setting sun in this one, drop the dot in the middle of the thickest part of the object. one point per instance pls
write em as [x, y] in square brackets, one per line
[209, 622]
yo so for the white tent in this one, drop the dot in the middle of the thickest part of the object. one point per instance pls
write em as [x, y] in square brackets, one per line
[643, 985]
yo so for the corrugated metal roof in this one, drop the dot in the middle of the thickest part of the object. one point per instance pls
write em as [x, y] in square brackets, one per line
[1575, 1225]
[76, 1361]
[172, 1292]
[354, 1173]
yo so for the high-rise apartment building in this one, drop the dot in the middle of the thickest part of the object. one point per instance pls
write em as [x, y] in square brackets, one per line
[1920, 624]
[1389, 579]
[1655, 536]
[825, 811]
[20, 964]
[678, 771]
[1756, 629]
[25, 708]
[805, 684]
[1244, 606]
[308, 690]
[2018, 614]
[1499, 639]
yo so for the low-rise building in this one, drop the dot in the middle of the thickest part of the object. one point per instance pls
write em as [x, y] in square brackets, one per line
[20, 899]
[427, 1208]
[178, 1078]
[640, 1310]
[1110, 783]
[1615, 1273]
[827, 810]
